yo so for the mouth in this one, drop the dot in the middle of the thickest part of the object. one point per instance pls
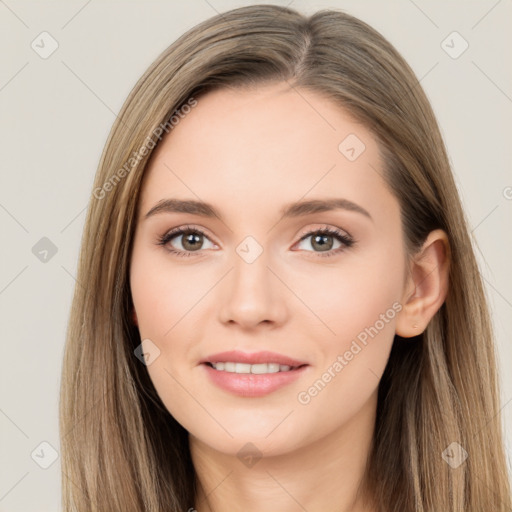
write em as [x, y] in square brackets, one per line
[254, 374]
[257, 369]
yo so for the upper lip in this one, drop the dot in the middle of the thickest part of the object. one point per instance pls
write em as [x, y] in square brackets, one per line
[236, 356]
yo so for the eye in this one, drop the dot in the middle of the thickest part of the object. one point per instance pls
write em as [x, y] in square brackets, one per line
[323, 241]
[192, 240]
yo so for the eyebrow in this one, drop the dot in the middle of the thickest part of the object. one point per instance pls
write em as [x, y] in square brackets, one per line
[292, 210]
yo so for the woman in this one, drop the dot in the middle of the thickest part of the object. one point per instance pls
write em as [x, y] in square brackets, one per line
[280, 307]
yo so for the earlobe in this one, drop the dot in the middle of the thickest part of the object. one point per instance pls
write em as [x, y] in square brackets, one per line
[427, 286]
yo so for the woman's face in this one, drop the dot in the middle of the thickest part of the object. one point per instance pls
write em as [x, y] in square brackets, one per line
[253, 279]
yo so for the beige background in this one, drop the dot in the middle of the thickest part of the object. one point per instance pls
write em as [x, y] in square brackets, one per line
[55, 114]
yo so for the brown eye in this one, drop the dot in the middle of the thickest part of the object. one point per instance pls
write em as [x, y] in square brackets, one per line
[323, 241]
[184, 241]
[191, 241]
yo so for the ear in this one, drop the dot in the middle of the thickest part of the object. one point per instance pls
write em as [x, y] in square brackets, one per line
[426, 287]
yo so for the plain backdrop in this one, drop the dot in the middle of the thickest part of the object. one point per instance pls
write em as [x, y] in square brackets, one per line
[56, 112]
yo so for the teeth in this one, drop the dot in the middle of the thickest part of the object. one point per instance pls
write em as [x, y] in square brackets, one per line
[251, 368]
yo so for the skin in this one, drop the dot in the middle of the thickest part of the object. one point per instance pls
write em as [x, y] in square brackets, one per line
[250, 152]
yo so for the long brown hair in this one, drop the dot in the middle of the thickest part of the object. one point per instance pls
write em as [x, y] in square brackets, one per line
[121, 449]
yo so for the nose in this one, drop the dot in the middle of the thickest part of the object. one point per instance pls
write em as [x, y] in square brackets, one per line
[252, 294]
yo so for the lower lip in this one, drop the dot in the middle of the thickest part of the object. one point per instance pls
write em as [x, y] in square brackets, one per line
[252, 384]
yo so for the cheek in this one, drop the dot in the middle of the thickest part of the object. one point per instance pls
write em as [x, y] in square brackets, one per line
[358, 302]
[356, 294]
[162, 304]
[158, 299]
[344, 384]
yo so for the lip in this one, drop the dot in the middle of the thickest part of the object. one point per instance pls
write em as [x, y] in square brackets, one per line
[237, 356]
[251, 384]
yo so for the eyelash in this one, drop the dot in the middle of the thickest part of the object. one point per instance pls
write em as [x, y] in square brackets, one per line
[346, 240]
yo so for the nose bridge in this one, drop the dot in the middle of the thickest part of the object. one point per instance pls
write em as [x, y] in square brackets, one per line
[252, 293]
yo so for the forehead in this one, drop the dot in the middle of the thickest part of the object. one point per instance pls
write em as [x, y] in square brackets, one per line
[267, 146]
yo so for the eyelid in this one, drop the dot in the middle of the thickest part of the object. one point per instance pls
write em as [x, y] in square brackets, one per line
[324, 227]
[187, 227]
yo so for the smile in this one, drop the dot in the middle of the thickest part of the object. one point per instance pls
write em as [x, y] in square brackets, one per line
[259, 369]
[252, 380]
